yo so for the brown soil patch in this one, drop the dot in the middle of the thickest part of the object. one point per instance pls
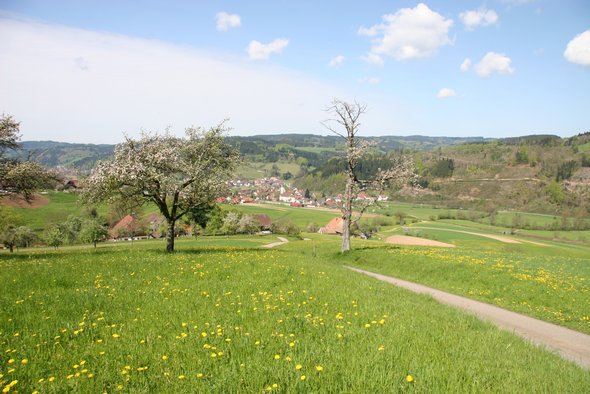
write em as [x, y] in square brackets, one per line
[415, 241]
[19, 202]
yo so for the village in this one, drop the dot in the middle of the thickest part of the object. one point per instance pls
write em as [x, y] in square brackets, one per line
[271, 190]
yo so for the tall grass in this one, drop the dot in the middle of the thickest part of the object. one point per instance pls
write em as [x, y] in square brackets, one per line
[216, 318]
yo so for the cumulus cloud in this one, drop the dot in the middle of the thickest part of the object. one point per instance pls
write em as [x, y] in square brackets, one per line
[466, 65]
[578, 49]
[373, 58]
[227, 21]
[410, 33]
[445, 93]
[336, 61]
[76, 85]
[481, 17]
[494, 63]
[260, 51]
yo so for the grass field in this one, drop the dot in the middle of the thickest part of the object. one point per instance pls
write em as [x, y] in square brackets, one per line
[548, 280]
[302, 217]
[60, 206]
[222, 315]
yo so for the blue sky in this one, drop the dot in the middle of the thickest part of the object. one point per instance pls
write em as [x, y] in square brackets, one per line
[89, 71]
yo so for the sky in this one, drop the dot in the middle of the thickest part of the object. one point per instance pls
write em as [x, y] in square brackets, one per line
[94, 71]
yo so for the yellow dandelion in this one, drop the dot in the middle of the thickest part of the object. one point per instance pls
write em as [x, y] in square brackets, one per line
[409, 378]
[181, 377]
[200, 376]
[277, 356]
[319, 368]
[51, 378]
[24, 361]
[116, 336]
[298, 367]
[303, 377]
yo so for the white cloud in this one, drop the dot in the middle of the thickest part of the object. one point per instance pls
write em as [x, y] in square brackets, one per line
[370, 80]
[336, 61]
[494, 63]
[373, 58]
[481, 17]
[410, 33]
[578, 49]
[227, 21]
[260, 51]
[68, 84]
[445, 93]
[466, 65]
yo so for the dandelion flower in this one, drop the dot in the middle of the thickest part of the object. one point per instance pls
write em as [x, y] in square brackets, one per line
[277, 356]
[200, 376]
[181, 377]
[303, 377]
[24, 361]
[409, 378]
[298, 367]
[164, 357]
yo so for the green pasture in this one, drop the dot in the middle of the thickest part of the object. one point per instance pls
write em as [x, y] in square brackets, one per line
[548, 281]
[60, 206]
[223, 315]
[302, 217]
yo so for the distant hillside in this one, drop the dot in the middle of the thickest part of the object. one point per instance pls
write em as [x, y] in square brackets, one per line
[80, 157]
[315, 148]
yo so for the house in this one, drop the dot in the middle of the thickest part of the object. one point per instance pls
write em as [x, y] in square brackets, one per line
[128, 227]
[264, 221]
[334, 226]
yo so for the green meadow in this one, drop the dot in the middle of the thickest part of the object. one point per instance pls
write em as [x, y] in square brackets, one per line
[224, 315]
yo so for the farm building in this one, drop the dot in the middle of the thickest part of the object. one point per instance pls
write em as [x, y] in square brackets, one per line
[334, 226]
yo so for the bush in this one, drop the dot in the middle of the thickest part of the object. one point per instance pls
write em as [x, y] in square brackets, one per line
[285, 226]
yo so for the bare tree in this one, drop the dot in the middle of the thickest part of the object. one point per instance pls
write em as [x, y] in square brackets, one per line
[178, 175]
[346, 124]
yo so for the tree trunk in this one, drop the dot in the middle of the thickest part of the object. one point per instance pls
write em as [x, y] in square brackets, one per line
[347, 213]
[11, 247]
[170, 236]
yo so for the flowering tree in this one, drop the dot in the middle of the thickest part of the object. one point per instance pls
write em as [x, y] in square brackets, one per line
[346, 115]
[20, 178]
[175, 174]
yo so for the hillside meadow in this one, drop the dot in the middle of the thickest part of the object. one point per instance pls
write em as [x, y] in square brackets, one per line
[223, 315]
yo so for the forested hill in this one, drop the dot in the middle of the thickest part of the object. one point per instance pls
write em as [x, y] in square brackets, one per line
[316, 148]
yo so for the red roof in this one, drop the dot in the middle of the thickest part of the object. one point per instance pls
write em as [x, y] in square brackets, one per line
[334, 226]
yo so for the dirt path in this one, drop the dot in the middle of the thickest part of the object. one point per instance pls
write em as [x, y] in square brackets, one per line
[282, 241]
[491, 236]
[416, 241]
[569, 344]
